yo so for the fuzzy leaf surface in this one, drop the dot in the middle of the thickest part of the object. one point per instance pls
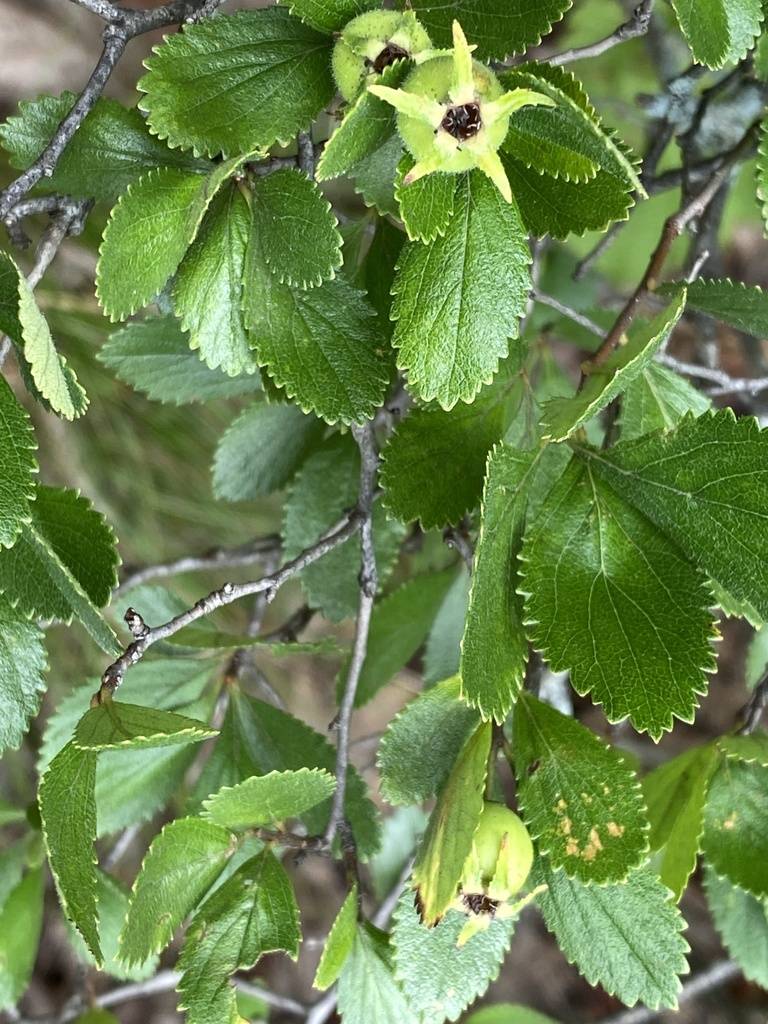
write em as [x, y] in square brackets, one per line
[657, 399]
[18, 465]
[22, 664]
[742, 922]
[339, 943]
[114, 725]
[735, 840]
[269, 799]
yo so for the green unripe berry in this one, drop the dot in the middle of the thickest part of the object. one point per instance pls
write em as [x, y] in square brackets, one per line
[370, 43]
[501, 857]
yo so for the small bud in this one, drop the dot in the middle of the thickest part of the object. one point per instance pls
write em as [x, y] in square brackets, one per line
[370, 43]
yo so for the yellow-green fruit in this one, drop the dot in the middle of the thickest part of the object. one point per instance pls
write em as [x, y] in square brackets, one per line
[370, 43]
[502, 854]
[433, 79]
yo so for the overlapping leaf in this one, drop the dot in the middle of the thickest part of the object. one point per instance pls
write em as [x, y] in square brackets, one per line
[735, 840]
[368, 993]
[269, 799]
[113, 725]
[719, 31]
[657, 399]
[339, 943]
[742, 922]
[18, 466]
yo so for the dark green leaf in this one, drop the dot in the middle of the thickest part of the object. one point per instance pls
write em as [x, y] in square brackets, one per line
[328, 15]
[426, 205]
[18, 465]
[735, 838]
[113, 725]
[719, 31]
[743, 306]
[22, 663]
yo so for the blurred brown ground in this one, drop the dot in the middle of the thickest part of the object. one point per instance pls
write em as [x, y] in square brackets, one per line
[51, 45]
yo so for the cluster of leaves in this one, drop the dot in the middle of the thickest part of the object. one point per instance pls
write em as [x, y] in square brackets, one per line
[607, 558]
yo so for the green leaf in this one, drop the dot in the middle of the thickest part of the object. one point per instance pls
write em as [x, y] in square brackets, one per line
[111, 149]
[325, 488]
[151, 354]
[68, 811]
[368, 992]
[743, 925]
[442, 653]
[368, 124]
[422, 743]
[459, 300]
[63, 565]
[262, 450]
[269, 799]
[399, 625]
[719, 31]
[625, 937]
[401, 832]
[115, 725]
[439, 978]
[433, 465]
[97, 1016]
[752, 748]
[257, 738]
[706, 485]
[374, 176]
[18, 466]
[743, 306]
[182, 863]
[580, 798]
[252, 913]
[21, 921]
[297, 230]
[257, 77]
[325, 347]
[675, 793]
[508, 1013]
[51, 380]
[494, 649]
[339, 943]
[426, 205]
[22, 663]
[757, 657]
[657, 399]
[613, 600]
[328, 15]
[498, 32]
[561, 416]
[158, 216]
[452, 825]
[207, 294]
[735, 838]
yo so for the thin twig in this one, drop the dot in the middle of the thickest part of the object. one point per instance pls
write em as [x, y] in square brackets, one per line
[636, 26]
[724, 384]
[720, 972]
[369, 463]
[145, 636]
[567, 311]
[284, 1003]
[674, 226]
[217, 558]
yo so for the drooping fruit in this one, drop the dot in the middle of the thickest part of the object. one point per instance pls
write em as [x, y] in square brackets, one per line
[370, 43]
[453, 114]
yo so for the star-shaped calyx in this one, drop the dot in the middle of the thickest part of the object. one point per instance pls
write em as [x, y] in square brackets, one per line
[453, 114]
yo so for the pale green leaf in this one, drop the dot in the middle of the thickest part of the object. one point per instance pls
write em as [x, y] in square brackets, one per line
[252, 913]
[257, 77]
[158, 216]
[719, 31]
[325, 488]
[735, 838]
[52, 381]
[207, 294]
[111, 149]
[325, 347]
[561, 416]
[154, 357]
[625, 937]
[18, 466]
[442, 653]
[494, 649]
[426, 205]
[400, 834]
[742, 922]
[261, 451]
[328, 15]
[439, 978]
[67, 804]
[508, 1013]
[675, 793]
[399, 625]
[757, 657]
[421, 744]
[579, 797]
[339, 943]
[22, 664]
[657, 399]
[21, 920]
[433, 465]
[751, 748]
[705, 484]
[498, 31]
[269, 799]
[297, 230]
[178, 869]
[113, 725]
[458, 300]
[611, 599]
[451, 829]
[368, 992]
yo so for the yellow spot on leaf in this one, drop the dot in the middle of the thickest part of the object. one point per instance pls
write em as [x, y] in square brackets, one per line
[615, 830]
[730, 821]
[571, 848]
[593, 847]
